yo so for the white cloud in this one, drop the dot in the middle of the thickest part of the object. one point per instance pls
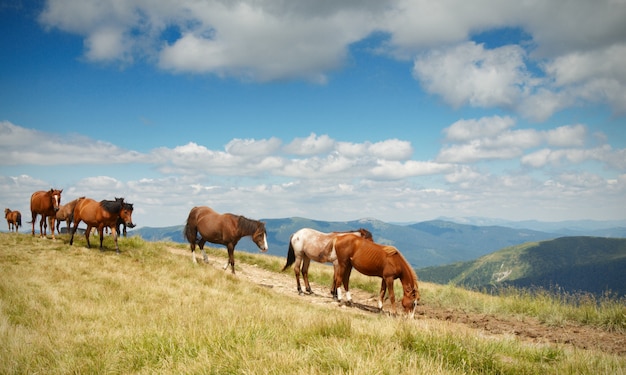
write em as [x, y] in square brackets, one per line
[312, 145]
[17, 149]
[492, 138]
[580, 51]
[470, 74]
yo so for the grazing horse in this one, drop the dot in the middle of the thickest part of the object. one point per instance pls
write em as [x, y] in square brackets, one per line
[373, 259]
[309, 244]
[14, 219]
[66, 213]
[100, 215]
[223, 229]
[46, 204]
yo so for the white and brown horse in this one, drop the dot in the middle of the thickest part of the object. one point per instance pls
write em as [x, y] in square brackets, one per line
[309, 244]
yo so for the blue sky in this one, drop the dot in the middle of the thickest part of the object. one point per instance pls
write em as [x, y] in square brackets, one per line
[399, 110]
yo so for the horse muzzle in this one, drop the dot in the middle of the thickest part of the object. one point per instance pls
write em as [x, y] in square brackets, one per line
[131, 225]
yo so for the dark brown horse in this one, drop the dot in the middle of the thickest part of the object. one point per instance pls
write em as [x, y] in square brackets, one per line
[66, 213]
[46, 204]
[14, 219]
[100, 215]
[222, 229]
[372, 259]
[309, 244]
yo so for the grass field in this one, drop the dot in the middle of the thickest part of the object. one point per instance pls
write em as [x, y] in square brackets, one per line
[72, 310]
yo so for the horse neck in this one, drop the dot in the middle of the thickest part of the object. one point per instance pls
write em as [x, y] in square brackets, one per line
[408, 277]
[246, 227]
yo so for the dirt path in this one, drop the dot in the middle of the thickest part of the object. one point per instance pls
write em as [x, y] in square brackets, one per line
[583, 337]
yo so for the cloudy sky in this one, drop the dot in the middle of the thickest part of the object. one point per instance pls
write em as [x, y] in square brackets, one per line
[403, 110]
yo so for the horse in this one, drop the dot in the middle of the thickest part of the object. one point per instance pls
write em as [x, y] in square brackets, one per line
[309, 244]
[100, 215]
[14, 219]
[223, 229]
[66, 213]
[372, 259]
[46, 204]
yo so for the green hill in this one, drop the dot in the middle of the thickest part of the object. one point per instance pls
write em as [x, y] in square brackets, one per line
[588, 264]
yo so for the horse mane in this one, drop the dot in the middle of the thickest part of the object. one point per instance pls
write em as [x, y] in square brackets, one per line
[248, 225]
[113, 207]
[366, 234]
[406, 266]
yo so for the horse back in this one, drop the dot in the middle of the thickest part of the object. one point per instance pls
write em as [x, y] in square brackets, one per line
[92, 213]
[213, 226]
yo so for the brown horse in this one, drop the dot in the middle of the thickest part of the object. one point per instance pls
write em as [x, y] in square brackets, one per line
[309, 244]
[14, 219]
[46, 204]
[100, 215]
[66, 213]
[372, 259]
[223, 229]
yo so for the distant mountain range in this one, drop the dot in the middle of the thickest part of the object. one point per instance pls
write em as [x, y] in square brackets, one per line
[590, 264]
[424, 244]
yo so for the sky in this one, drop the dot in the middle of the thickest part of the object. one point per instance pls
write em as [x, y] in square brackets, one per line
[401, 111]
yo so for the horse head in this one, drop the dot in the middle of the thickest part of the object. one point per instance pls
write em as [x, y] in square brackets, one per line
[411, 298]
[260, 237]
[126, 214]
[55, 196]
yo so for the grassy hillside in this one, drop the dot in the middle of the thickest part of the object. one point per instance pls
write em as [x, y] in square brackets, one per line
[590, 264]
[76, 310]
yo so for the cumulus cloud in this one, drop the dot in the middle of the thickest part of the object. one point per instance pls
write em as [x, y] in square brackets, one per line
[17, 149]
[492, 138]
[567, 60]
[470, 74]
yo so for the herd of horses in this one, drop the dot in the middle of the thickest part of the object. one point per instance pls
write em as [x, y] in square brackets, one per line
[345, 250]
[103, 215]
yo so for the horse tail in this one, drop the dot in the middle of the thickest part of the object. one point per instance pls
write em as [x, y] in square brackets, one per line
[291, 256]
[190, 232]
[18, 219]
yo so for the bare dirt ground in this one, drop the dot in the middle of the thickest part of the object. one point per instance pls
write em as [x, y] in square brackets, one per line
[531, 330]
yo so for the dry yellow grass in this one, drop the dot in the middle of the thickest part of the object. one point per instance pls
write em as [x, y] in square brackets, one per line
[70, 310]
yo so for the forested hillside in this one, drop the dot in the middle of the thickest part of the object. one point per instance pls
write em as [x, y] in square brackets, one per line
[590, 264]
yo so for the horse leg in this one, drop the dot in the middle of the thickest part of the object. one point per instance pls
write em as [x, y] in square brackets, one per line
[114, 233]
[296, 271]
[391, 293]
[381, 297]
[42, 225]
[305, 274]
[204, 256]
[346, 284]
[231, 258]
[337, 282]
[51, 219]
[101, 232]
[33, 221]
[87, 234]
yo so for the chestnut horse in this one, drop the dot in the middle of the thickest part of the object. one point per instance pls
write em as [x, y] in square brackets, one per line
[309, 244]
[100, 215]
[223, 229]
[66, 213]
[46, 204]
[14, 219]
[373, 259]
